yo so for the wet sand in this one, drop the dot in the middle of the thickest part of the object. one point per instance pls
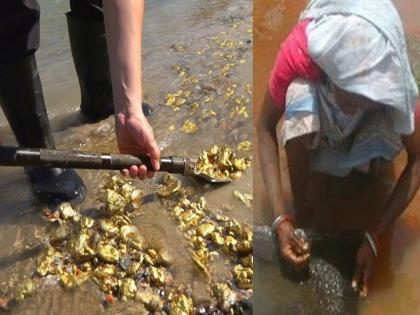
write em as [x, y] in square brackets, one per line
[395, 285]
[214, 23]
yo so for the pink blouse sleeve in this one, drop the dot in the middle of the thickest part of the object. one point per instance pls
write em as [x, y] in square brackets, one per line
[292, 61]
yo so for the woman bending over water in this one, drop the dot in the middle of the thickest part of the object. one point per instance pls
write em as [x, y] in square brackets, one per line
[343, 89]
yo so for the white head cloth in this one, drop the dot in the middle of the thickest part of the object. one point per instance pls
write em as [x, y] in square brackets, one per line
[360, 45]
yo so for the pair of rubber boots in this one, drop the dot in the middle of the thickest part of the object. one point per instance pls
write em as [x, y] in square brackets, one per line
[22, 101]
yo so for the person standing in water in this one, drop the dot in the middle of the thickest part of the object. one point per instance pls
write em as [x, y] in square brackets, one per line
[341, 95]
[109, 72]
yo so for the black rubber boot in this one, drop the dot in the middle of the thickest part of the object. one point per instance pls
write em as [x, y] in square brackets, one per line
[90, 56]
[23, 104]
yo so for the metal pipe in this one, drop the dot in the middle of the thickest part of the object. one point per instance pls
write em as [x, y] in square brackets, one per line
[12, 156]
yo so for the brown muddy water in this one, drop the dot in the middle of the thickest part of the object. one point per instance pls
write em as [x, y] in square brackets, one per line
[396, 284]
[204, 47]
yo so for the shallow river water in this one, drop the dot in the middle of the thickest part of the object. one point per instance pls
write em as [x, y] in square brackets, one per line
[204, 47]
[396, 284]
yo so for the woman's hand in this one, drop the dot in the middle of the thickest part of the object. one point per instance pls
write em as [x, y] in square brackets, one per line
[135, 136]
[364, 269]
[293, 249]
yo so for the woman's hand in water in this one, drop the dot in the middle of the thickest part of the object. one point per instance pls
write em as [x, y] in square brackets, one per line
[364, 269]
[293, 249]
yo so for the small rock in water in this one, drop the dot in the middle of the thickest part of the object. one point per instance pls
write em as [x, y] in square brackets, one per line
[147, 109]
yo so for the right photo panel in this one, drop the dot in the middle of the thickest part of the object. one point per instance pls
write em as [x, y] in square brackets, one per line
[336, 157]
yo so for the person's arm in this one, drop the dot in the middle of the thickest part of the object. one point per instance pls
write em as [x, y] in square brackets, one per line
[406, 186]
[290, 247]
[404, 191]
[292, 61]
[268, 153]
[124, 26]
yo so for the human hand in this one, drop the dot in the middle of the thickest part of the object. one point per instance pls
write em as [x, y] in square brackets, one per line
[296, 251]
[364, 269]
[135, 136]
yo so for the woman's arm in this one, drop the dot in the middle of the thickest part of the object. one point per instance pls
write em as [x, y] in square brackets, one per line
[292, 61]
[124, 26]
[268, 153]
[404, 191]
[293, 249]
[407, 185]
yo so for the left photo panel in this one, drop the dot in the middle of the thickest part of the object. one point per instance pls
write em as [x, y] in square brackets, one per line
[126, 157]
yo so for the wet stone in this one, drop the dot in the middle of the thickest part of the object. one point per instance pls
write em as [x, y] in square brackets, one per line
[150, 299]
[164, 257]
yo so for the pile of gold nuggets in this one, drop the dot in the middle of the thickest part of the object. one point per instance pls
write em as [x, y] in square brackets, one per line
[221, 163]
[211, 235]
[111, 251]
[108, 249]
